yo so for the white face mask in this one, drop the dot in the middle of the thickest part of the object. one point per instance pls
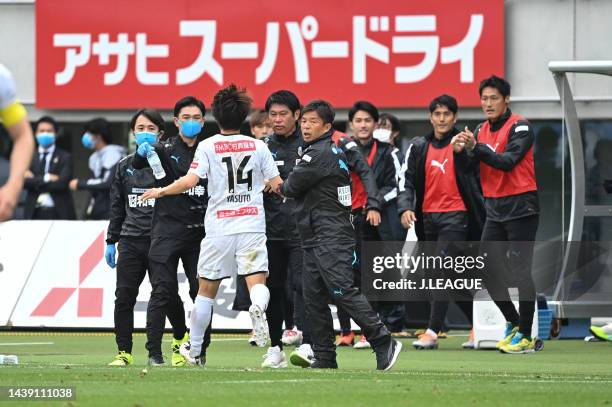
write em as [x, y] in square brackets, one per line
[383, 135]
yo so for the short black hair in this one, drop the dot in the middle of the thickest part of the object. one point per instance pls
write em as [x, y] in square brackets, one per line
[388, 117]
[230, 107]
[444, 100]
[100, 126]
[324, 109]
[46, 119]
[366, 107]
[150, 114]
[283, 97]
[496, 82]
[189, 101]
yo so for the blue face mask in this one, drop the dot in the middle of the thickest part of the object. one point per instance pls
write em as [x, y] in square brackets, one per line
[89, 141]
[191, 128]
[45, 140]
[145, 136]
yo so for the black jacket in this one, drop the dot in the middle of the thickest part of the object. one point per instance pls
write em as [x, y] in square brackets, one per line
[60, 164]
[358, 165]
[383, 170]
[318, 183]
[515, 206]
[129, 216]
[280, 212]
[412, 184]
[178, 216]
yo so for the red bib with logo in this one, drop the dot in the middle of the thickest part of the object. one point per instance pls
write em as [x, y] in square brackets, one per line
[497, 183]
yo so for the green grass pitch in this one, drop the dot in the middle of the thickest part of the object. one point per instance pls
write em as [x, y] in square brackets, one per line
[570, 373]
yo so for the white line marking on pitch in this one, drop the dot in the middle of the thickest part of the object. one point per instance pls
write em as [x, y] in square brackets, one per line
[218, 340]
[25, 343]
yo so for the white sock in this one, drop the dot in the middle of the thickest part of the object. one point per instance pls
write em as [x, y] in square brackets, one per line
[200, 319]
[432, 333]
[260, 296]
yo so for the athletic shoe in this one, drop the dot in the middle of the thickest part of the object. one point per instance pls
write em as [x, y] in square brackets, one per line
[274, 358]
[426, 341]
[362, 344]
[122, 359]
[156, 360]
[252, 339]
[441, 334]
[519, 344]
[600, 332]
[401, 334]
[178, 360]
[386, 355]
[346, 340]
[292, 337]
[197, 361]
[470, 342]
[324, 364]
[260, 325]
[511, 330]
[302, 356]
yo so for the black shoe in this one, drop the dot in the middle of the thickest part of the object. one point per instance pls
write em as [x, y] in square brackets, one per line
[324, 364]
[156, 360]
[386, 355]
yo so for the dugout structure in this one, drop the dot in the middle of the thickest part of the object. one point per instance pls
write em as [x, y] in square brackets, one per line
[590, 303]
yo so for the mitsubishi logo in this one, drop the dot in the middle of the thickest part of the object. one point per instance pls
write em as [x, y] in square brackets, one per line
[89, 299]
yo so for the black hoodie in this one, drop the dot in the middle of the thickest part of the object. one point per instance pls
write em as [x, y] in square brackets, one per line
[412, 184]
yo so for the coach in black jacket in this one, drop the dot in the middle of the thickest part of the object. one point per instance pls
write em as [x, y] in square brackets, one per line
[130, 226]
[46, 182]
[320, 184]
[178, 220]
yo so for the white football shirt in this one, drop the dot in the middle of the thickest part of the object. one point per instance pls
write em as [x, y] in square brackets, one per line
[236, 167]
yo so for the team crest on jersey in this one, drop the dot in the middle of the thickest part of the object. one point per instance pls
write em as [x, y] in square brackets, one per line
[344, 195]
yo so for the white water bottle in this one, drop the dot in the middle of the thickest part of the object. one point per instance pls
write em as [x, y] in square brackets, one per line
[9, 360]
[155, 164]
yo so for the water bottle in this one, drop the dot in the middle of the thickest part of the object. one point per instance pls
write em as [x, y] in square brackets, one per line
[155, 164]
[9, 360]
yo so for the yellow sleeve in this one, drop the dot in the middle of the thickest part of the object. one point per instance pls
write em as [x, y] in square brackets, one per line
[12, 114]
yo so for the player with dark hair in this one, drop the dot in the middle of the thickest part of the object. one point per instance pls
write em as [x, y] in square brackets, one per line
[177, 227]
[503, 145]
[441, 191]
[236, 167]
[363, 118]
[130, 226]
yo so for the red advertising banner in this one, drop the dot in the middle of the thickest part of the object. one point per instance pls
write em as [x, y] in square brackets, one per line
[117, 54]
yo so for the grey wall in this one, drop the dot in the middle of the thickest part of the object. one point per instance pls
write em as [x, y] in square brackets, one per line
[537, 31]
